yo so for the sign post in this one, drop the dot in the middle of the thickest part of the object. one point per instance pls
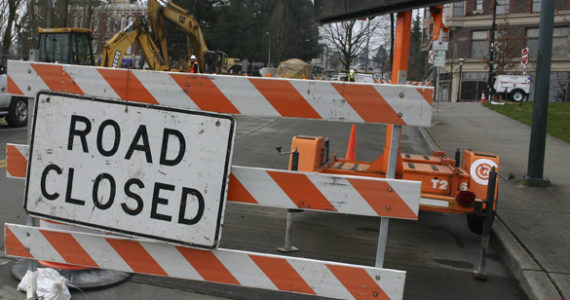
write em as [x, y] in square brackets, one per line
[436, 56]
[153, 172]
[524, 59]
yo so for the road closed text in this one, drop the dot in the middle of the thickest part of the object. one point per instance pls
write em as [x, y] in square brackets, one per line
[132, 204]
[155, 172]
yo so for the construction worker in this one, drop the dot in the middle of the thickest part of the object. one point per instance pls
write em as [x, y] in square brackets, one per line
[351, 75]
[194, 68]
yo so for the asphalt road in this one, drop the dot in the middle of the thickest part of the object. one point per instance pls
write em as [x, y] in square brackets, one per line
[438, 252]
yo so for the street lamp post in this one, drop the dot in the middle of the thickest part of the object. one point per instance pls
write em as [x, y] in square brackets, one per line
[491, 77]
[461, 60]
[537, 149]
[269, 52]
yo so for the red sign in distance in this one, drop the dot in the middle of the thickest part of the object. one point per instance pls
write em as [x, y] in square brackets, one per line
[524, 56]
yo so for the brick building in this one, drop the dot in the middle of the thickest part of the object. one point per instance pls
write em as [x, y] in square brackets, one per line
[108, 19]
[517, 27]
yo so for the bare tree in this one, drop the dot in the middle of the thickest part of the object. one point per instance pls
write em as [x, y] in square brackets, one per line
[508, 44]
[349, 38]
[3, 22]
[8, 20]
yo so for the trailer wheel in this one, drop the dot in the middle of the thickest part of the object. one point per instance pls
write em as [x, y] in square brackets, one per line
[475, 223]
[518, 95]
[18, 112]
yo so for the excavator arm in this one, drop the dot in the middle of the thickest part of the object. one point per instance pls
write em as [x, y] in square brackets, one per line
[158, 11]
[154, 44]
[115, 49]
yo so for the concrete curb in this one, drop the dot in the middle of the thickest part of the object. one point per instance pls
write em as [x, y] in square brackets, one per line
[531, 278]
[428, 139]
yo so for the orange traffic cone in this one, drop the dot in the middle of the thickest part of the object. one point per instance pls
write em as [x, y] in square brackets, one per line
[351, 149]
[483, 99]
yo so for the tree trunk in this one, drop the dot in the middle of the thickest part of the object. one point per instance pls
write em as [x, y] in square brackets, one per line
[33, 23]
[89, 14]
[7, 38]
[391, 39]
[65, 7]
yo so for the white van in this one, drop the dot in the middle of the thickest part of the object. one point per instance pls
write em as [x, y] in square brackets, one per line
[516, 87]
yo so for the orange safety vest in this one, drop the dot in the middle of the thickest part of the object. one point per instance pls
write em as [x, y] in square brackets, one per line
[197, 68]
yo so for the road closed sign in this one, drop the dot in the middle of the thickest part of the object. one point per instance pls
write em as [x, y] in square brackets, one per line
[147, 171]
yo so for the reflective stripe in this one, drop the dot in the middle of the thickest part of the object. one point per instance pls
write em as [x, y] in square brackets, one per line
[235, 267]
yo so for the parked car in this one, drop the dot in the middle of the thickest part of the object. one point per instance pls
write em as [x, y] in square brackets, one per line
[14, 108]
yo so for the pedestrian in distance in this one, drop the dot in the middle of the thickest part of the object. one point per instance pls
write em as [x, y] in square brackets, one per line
[194, 68]
[351, 75]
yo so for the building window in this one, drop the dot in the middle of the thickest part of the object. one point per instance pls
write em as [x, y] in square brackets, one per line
[503, 6]
[458, 9]
[479, 43]
[560, 41]
[472, 85]
[479, 5]
[536, 6]
[558, 87]
[532, 41]
[446, 9]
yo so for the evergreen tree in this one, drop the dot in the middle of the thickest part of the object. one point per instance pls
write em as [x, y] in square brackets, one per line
[416, 65]
[382, 59]
[247, 28]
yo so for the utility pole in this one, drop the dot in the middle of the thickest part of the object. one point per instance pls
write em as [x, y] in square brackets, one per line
[269, 54]
[461, 60]
[367, 45]
[48, 14]
[537, 147]
[491, 77]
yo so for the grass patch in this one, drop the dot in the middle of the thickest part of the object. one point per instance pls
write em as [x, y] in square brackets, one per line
[558, 123]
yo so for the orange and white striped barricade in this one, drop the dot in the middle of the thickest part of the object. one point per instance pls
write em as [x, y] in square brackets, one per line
[355, 195]
[235, 267]
[319, 100]
[254, 186]
[273, 97]
[16, 160]
[419, 83]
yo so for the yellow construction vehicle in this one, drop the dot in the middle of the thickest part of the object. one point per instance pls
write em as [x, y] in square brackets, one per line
[154, 44]
[117, 46]
[65, 45]
[208, 60]
[73, 45]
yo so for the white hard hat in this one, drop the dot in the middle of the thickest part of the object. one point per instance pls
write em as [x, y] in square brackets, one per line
[351, 70]
[193, 57]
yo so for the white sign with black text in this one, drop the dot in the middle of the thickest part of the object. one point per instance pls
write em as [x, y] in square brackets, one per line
[439, 45]
[125, 167]
[436, 57]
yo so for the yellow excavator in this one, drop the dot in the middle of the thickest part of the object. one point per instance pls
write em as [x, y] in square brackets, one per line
[154, 44]
[65, 45]
[73, 45]
[117, 46]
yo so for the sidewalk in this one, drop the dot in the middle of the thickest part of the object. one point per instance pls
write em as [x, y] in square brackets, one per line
[532, 227]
